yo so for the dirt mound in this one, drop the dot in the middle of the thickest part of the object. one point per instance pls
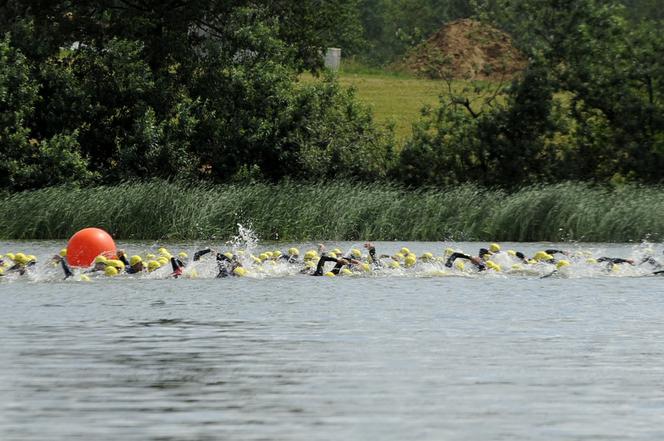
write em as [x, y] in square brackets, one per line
[466, 49]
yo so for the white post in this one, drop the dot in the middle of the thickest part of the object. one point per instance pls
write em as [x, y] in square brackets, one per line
[333, 58]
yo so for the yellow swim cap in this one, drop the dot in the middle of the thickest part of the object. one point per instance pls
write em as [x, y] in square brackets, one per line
[591, 261]
[458, 264]
[150, 256]
[427, 256]
[116, 263]
[405, 251]
[183, 255]
[542, 255]
[30, 258]
[494, 247]
[228, 254]
[276, 254]
[20, 258]
[163, 251]
[449, 251]
[135, 260]
[356, 253]
[10, 256]
[311, 254]
[346, 272]
[269, 254]
[395, 264]
[329, 274]
[293, 251]
[562, 263]
[63, 252]
[111, 271]
[255, 259]
[410, 261]
[162, 260]
[337, 251]
[262, 256]
[493, 265]
[153, 265]
[332, 254]
[511, 253]
[240, 272]
[365, 267]
[100, 259]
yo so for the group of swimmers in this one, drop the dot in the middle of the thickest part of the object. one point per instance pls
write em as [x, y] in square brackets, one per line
[331, 263]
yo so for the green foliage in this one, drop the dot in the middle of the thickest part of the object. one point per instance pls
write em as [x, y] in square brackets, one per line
[338, 211]
[29, 162]
[391, 27]
[589, 107]
[189, 90]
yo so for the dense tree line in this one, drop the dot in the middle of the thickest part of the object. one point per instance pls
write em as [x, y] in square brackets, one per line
[106, 91]
[111, 90]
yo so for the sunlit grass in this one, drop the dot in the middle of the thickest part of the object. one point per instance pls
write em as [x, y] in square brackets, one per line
[398, 98]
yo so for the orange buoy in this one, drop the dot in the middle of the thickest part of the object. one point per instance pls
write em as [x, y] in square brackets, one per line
[87, 244]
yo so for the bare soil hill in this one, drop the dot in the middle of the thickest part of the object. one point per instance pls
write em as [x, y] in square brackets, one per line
[465, 49]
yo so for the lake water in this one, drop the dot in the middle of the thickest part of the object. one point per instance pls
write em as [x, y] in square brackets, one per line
[283, 356]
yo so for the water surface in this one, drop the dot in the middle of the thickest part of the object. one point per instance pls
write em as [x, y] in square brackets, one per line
[357, 358]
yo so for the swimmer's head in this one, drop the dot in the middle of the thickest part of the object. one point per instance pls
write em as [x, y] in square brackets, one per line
[562, 263]
[293, 251]
[111, 271]
[484, 253]
[356, 253]
[182, 255]
[494, 248]
[153, 265]
[135, 260]
[63, 252]
[405, 251]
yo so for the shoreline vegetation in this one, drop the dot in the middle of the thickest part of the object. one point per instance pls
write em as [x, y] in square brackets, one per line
[291, 211]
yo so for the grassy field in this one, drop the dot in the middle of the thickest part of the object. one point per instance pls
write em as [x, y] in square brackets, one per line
[397, 98]
[394, 99]
[343, 211]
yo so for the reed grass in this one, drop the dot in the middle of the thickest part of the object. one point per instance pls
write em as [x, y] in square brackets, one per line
[338, 211]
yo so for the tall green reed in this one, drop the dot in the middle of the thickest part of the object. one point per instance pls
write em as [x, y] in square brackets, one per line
[336, 211]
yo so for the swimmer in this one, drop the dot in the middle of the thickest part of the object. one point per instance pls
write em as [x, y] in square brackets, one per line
[293, 255]
[373, 260]
[226, 263]
[63, 264]
[612, 262]
[22, 263]
[478, 261]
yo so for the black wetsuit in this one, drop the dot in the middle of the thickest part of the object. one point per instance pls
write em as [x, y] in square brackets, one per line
[65, 268]
[450, 261]
[321, 264]
[373, 259]
[224, 264]
[613, 261]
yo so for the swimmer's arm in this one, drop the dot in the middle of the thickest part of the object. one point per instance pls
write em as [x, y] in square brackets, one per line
[615, 260]
[199, 254]
[455, 256]
[65, 268]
